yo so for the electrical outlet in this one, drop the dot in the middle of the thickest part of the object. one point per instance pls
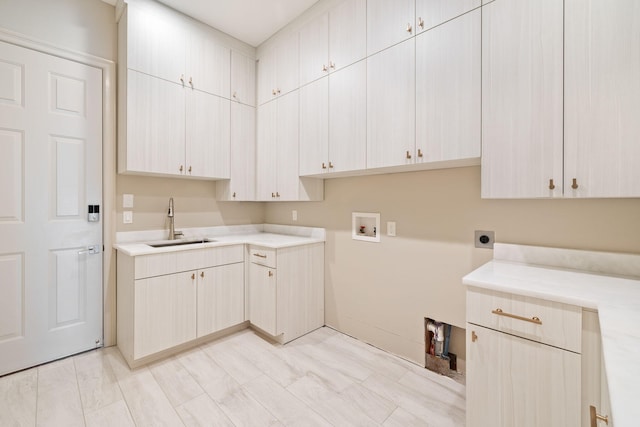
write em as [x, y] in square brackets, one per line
[391, 228]
[294, 215]
[127, 217]
[484, 239]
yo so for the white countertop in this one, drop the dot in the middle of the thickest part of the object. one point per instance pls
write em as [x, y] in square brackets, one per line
[617, 300]
[267, 235]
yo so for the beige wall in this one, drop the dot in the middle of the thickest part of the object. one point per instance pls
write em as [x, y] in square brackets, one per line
[380, 292]
[195, 204]
[86, 26]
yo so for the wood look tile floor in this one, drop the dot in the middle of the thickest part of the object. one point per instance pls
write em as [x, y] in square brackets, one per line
[322, 379]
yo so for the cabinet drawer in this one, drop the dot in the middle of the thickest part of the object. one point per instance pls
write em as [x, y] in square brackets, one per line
[173, 262]
[263, 256]
[539, 320]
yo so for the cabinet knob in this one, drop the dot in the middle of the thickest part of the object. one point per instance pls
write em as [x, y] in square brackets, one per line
[409, 28]
[595, 417]
[324, 166]
[551, 185]
[330, 165]
[408, 155]
[474, 336]
[181, 168]
[574, 184]
[332, 65]
[270, 273]
[193, 276]
[202, 274]
[420, 153]
[421, 23]
[324, 68]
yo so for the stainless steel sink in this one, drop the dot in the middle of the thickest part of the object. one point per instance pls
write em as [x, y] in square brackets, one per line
[179, 242]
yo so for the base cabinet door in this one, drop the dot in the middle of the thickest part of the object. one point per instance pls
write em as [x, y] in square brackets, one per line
[220, 298]
[513, 381]
[165, 312]
[262, 298]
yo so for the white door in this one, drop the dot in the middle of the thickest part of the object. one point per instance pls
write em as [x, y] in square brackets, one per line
[50, 171]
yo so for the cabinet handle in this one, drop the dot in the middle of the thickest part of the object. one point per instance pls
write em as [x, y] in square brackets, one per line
[332, 65]
[234, 195]
[181, 168]
[409, 28]
[193, 276]
[408, 155]
[324, 68]
[202, 274]
[474, 336]
[273, 195]
[421, 23]
[324, 166]
[420, 153]
[552, 186]
[330, 165]
[182, 78]
[270, 273]
[574, 184]
[277, 194]
[259, 255]
[235, 94]
[278, 91]
[595, 417]
[274, 92]
[534, 319]
[191, 81]
[189, 169]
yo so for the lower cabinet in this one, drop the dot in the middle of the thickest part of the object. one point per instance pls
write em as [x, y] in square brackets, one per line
[168, 299]
[286, 290]
[532, 362]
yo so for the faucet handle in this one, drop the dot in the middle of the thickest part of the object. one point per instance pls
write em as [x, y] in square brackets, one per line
[178, 233]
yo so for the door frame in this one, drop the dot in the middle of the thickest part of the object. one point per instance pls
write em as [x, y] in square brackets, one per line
[108, 68]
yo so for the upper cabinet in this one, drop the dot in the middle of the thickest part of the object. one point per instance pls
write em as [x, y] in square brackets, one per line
[448, 90]
[522, 98]
[243, 79]
[278, 69]
[389, 22]
[334, 40]
[602, 98]
[430, 13]
[208, 64]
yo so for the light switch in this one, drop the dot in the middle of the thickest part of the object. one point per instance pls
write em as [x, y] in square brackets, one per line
[391, 228]
[294, 215]
[127, 200]
[127, 217]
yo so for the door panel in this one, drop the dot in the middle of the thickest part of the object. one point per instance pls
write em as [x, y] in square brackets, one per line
[50, 170]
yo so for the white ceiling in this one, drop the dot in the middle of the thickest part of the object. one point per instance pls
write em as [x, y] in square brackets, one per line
[252, 21]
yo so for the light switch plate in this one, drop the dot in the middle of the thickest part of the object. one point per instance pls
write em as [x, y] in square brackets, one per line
[391, 228]
[127, 217]
[294, 215]
[127, 200]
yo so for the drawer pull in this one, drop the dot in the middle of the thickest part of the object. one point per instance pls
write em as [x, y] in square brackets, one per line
[595, 417]
[534, 319]
[474, 336]
[260, 255]
[270, 273]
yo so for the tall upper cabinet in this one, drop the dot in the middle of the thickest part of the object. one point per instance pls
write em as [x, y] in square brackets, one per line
[602, 98]
[174, 94]
[522, 51]
[389, 22]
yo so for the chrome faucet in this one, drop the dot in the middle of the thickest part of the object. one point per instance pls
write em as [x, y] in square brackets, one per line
[172, 231]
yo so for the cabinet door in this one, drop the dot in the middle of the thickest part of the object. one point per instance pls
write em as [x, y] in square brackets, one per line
[220, 298]
[348, 118]
[156, 39]
[266, 69]
[430, 13]
[602, 98]
[155, 125]
[208, 63]
[512, 381]
[262, 297]
[388, 22]
[314, 49]
[164, 312]
[314, 127]
[522, 98]
[347, 33]
[288, 178]
[266, 155]
[287, 64]
[208, 135]
[242, 183]
[243, 78]
[448, 90]
[391, 107]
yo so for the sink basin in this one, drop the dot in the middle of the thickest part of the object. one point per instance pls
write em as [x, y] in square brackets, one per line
[179, 242]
